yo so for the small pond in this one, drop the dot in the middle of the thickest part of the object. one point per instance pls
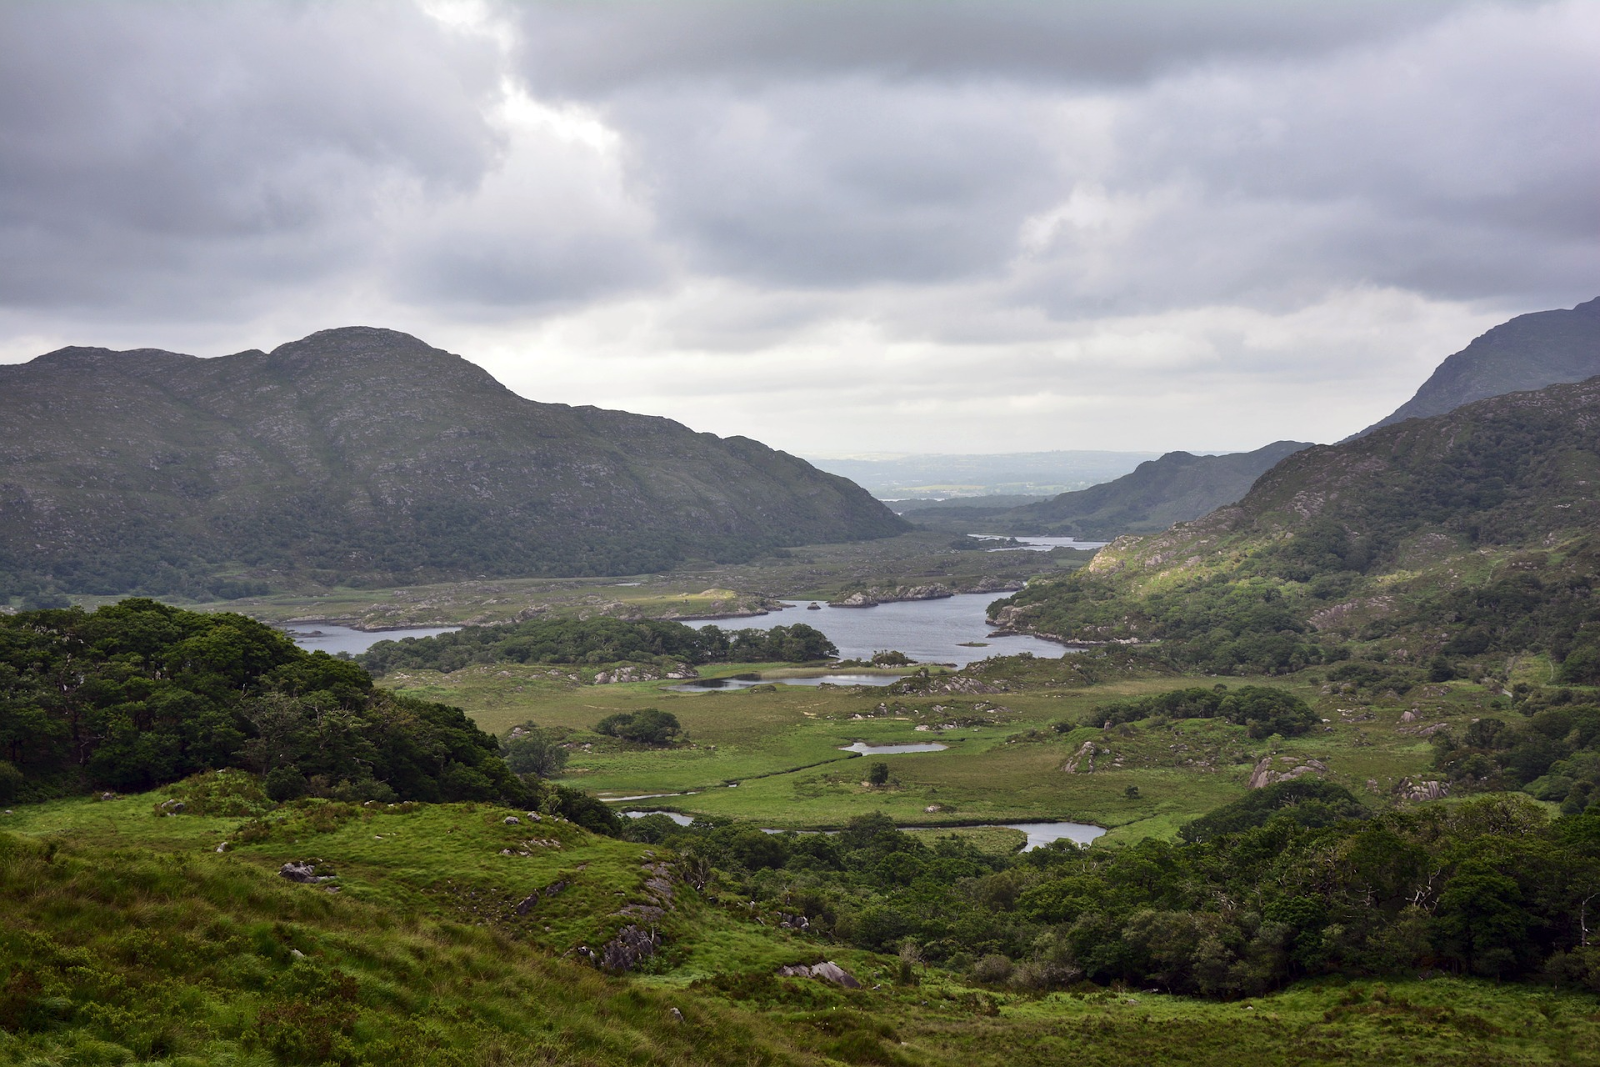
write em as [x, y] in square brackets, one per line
[891, 750]
[1039, 833]
[326, 637]
[1040, 544]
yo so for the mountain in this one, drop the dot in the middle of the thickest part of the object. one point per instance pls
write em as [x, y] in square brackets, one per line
[363, 456]
[1177, 487]
[1469, 534]
[1528, 352]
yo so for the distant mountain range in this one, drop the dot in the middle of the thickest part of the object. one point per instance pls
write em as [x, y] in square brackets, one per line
[1175, 488]
[1527, 352]
[1464, 534]
[956, 475]
[364, 456]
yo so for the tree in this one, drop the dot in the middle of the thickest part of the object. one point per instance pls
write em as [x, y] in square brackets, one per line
[878, 774]
[529, 750]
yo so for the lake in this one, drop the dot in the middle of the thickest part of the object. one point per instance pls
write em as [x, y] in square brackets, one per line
[745, 681]
[1041, 544]
[891, 750]
[326, 637]
[929, 631]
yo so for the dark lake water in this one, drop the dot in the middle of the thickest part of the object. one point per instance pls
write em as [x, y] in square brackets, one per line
[326, 637]
[929, 631]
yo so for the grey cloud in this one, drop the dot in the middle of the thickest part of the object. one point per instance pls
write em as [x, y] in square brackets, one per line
[162, 151]
[597, 46]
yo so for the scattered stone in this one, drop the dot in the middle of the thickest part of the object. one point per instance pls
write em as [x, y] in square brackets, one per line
[512, 820]
[827, 971]
[223, 847]
[297, 954]
[534, 816]
[677, 1016]
[171, 806]
[1410, 716]
[304, 872]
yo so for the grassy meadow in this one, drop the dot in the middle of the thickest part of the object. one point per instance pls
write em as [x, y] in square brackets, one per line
[773, 754]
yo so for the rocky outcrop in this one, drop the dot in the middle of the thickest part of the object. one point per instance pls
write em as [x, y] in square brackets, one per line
[1272, 770]
[827, 971]
[631, 947]
[640, 672]
[304, 872]
[1082, 761]
[1417, 792]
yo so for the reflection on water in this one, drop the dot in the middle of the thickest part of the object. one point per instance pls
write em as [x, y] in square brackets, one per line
[1042, 833]
[890, 750]
[929, 631]
[326, 637]
[745, 681]
[1040, 544]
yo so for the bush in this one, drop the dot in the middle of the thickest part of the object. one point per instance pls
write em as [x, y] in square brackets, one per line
[648, 726]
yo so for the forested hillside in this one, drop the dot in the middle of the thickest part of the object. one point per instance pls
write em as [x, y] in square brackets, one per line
[363, 456]
[1453, 539]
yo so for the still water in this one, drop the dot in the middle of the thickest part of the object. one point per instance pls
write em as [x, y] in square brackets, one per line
[1042, 544]
[745, 681]
[891, 750]
[326, 637]
[929, 631]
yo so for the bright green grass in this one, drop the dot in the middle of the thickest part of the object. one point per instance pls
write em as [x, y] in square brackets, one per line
[150, 947]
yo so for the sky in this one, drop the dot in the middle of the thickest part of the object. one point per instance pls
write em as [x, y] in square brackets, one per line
[875, 226]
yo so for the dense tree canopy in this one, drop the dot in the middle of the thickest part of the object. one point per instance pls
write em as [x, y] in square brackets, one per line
[596, 641]
[138, 694]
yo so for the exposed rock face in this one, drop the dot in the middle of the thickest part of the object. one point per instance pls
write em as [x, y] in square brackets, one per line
[1418, 792]
[631, 947]
[1284, 769]
[828, 972]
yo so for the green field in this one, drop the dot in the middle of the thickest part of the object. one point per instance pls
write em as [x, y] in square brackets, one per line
[1004, 762]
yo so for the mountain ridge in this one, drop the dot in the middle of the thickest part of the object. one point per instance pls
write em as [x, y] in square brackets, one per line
[363, 454]
[1527, 352]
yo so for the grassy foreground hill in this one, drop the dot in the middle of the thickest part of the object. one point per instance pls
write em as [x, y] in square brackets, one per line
[1470, 536]
[364, 456]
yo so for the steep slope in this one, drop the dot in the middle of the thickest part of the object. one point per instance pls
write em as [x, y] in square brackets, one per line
[364, 455]
[1528, 352]
[1468, 533]
[1175, 488]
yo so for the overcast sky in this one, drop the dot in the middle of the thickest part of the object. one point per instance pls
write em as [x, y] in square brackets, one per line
[838, 227]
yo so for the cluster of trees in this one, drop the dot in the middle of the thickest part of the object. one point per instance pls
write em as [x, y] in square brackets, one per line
[1553, 754]
[1264, 709]
[596, 641]
[1295, 880]
[139, 693]
[647, 726]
